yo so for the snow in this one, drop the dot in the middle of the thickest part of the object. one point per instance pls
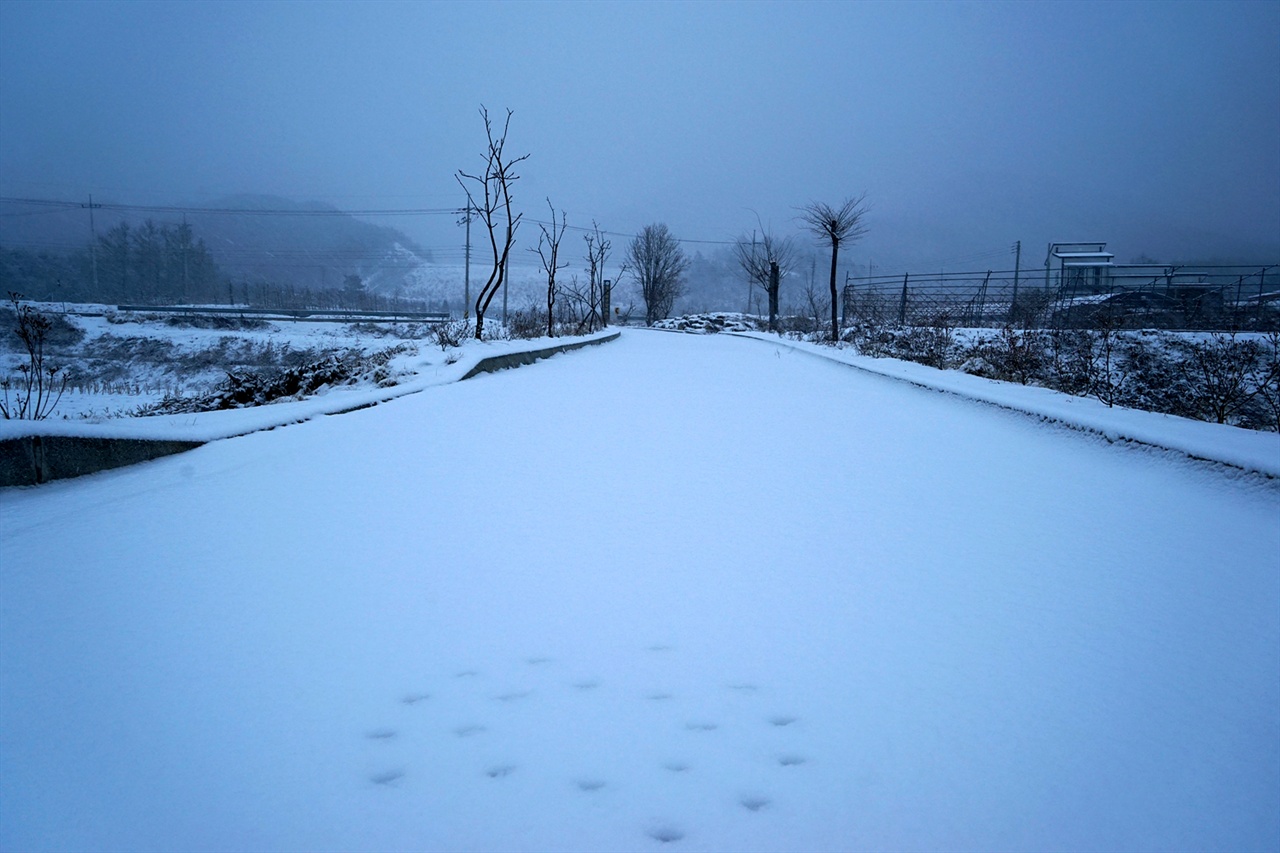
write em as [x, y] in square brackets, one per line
[427, 368]
[1251, 450]
[669, 593]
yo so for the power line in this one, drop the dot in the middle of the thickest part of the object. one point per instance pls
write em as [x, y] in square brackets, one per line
[237, 211]
[240, 211]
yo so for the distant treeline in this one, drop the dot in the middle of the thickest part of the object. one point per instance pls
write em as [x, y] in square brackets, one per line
[167, 264]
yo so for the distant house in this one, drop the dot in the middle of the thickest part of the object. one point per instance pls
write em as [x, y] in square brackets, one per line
[1078, 268]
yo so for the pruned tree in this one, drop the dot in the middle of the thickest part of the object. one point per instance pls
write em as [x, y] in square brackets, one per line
[658, 262]
[765, 262]
[548, 253]
[835, 227]
[489, 196]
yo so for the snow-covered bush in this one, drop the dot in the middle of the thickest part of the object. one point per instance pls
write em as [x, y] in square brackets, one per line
[244, 388]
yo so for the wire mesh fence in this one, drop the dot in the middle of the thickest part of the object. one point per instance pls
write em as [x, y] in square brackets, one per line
[1175, 297]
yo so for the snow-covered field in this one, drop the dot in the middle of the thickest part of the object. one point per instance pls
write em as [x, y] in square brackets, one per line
[126, 360]
[673, 592]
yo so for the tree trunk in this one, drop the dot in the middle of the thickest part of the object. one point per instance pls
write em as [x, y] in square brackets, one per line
[773, 297]
[835, 316]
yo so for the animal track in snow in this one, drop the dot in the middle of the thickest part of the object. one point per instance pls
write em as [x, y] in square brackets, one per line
[500, 771]
[589, 785]
[466, 673]
[676, 766]
[537, 661]
[658, 697]
[701, 727]
[791, 760]
[781, 720]
[744, 687]
[514, 696]
[386, 777]
[658, 647]
[588, 684]
[754, 803]
[414, 698]
[468, 731]
[665, 834]
[381, 734]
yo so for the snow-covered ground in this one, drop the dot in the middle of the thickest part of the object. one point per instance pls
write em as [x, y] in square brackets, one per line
[673, 592]
[126, 360]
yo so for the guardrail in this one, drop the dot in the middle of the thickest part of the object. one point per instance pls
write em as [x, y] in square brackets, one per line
[309, 314]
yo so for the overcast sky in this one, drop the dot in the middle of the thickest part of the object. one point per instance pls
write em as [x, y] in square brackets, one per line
[1154, 127]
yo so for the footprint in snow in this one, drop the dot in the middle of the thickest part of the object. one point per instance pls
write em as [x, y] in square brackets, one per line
[414, 698]
[589, 785]
[791, 760]
[781, 720]
[514, 696]
[753, 803]
[500, 771]
[381, 734]
[665, 834]
[387, 777]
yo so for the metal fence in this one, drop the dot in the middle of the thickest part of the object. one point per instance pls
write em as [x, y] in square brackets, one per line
[1180, 297]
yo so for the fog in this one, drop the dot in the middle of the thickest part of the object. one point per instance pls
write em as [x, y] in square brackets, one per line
[1154, 127]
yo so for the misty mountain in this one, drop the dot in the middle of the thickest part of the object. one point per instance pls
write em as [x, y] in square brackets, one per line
[307, 244]
[254, 239]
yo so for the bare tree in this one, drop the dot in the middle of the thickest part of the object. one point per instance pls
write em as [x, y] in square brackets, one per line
[659, 263]
[834, 226]
[597, 254]
[765, 262]
[548, 252]
[494, 208]
[39, 388]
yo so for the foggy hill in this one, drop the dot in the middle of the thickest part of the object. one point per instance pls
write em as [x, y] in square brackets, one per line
[317, 248]
[308, 245]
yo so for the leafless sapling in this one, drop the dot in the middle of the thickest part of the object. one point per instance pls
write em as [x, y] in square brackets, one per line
[39, 388]
[834, 227]
[489, 196]
[548, 253]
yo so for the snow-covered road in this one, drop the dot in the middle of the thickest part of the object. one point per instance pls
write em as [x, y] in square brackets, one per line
[668, 593]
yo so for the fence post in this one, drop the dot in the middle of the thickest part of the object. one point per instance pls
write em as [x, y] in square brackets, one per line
[902, 307]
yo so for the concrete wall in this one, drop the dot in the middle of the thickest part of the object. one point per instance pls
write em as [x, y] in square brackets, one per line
[515, 359]
[35, 459]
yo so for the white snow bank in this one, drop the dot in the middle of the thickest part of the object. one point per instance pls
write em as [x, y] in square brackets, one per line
[210, 426]
[1251, 450]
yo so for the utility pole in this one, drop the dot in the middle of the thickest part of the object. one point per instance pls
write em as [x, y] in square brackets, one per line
[186, 286]
[93, 246]
[1017, 270]
[466, 281]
